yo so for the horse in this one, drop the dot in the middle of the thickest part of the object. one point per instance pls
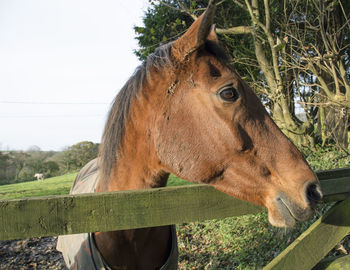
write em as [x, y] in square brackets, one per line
[185, 111]
[39, 176]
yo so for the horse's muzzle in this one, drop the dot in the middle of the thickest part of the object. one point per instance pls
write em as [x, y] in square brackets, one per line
[292, 211]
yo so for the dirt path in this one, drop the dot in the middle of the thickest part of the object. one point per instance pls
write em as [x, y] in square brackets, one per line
[33, 253]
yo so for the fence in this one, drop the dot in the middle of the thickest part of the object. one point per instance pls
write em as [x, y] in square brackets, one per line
[56, 215]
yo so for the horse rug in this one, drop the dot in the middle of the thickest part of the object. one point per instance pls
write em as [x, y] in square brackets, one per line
[79, 250]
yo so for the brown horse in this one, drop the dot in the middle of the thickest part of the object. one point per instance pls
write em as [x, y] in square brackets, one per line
[186, 112]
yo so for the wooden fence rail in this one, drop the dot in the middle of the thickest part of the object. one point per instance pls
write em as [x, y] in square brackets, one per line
[70, 214]
[57, 215]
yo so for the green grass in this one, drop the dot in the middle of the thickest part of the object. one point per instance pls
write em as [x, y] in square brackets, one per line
[51, 186]
[175, 181]
[245, 242]
[58, 185]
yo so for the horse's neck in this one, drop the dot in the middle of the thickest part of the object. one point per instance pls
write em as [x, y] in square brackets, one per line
[131, 175]
[140, 248]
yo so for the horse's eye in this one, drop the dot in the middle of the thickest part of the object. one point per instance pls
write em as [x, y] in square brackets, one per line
[229, 94]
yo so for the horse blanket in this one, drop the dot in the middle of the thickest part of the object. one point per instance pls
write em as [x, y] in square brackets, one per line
[79, 250]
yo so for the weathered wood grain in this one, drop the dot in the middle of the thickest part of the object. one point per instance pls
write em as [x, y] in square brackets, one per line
[68, 214]
[312, 245]
[116, 210]
[335, 189]
[340, 263]
[335, 173]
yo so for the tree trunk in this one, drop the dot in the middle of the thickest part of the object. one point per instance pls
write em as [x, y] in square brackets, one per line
[282, 108]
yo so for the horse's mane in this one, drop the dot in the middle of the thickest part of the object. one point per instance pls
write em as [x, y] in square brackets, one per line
[110, 147]
[118, 115]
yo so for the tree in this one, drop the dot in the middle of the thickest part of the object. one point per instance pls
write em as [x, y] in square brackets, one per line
[161, 25]
[166, 20]
[257, 36]
[18, 160]
[77, 155]
[83, 152]
[18, 166]
[4, 166]
[50, 168]
[319, 48]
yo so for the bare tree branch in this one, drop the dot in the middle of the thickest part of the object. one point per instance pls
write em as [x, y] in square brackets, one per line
[238, 30]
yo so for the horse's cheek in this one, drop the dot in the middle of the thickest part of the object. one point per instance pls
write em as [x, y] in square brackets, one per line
[166, 146]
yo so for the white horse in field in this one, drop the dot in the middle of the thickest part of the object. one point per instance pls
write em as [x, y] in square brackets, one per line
[39, 176]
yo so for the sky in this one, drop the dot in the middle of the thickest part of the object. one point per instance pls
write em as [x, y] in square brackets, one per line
[62, 62]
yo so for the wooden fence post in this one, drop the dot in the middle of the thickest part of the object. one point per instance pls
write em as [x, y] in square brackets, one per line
[312, 245]
[339, 263]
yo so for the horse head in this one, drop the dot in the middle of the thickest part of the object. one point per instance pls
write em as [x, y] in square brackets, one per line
[187, 112]
[215, 130]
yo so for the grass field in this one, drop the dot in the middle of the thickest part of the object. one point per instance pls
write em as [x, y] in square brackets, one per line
[58, 185]
[51, 186]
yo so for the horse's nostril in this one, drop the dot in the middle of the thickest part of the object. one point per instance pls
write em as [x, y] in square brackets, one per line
[313, 194]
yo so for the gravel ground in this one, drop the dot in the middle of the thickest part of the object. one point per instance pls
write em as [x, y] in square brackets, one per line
[33, 253]
[41, 253]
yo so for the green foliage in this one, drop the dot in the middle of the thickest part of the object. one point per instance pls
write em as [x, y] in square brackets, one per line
[161, 25]
[18, 160]
[50, 168]
[76, 156]
[281, 48]
[4, 167]
[328, 157]
[20, 166]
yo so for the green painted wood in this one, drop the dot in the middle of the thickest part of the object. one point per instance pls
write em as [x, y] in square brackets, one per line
[335, 189]
[335, 173]
[335, 197]
[312, 245]
[339, 263]
[116, 210]
[336, 186]
[131, 209]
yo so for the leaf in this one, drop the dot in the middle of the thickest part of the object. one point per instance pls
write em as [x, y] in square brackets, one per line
[139, 30]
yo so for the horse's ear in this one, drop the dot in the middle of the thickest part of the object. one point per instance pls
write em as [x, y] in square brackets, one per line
[212, 36]
[200, 31]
